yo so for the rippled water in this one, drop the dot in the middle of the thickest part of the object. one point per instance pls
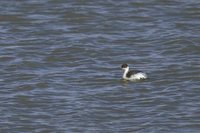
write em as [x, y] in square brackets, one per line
[60, 66]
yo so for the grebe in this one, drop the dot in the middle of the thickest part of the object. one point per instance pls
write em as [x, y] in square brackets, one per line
[132, 75]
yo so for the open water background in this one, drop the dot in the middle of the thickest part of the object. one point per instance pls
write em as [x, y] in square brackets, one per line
[60, 66]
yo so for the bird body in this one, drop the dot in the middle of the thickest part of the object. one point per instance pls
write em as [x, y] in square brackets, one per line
[132, 75]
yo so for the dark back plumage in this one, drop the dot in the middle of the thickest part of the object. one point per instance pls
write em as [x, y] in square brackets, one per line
[132, 73]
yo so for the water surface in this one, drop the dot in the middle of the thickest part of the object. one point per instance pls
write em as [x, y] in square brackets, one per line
[60, 66]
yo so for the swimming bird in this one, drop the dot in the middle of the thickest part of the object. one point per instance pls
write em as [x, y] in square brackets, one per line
[132, 75]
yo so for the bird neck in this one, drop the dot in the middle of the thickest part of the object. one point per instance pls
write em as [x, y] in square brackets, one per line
[125, 72]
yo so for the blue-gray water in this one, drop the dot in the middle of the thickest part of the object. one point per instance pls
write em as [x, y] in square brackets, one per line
[60, 66]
